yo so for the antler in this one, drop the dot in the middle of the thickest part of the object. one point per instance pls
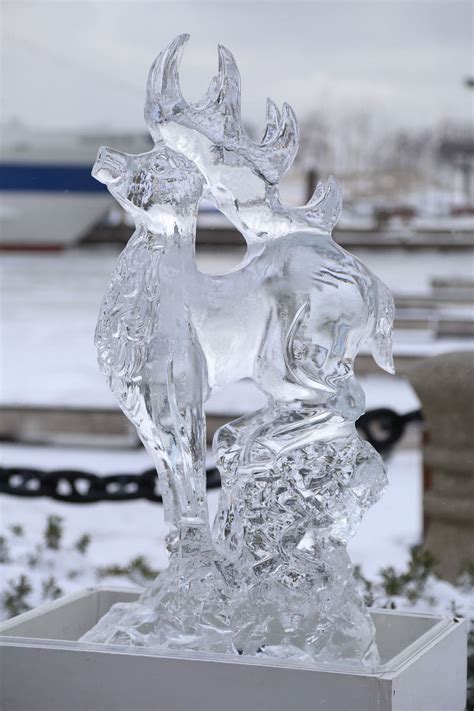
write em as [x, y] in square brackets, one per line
[217, 115]
[256, 208]
[325, 206]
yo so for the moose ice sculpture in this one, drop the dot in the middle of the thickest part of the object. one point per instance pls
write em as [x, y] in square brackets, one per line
[272, 576]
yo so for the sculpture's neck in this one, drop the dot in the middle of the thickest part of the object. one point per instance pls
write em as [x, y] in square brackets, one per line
[174, 234]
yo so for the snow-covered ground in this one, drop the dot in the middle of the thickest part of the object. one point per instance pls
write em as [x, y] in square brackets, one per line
[50, 303]
[123, 530]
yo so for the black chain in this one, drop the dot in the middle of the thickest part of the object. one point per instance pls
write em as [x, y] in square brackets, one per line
[77, 487]
[382, 428]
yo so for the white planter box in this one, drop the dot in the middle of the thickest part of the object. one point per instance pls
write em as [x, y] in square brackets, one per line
[44, 668]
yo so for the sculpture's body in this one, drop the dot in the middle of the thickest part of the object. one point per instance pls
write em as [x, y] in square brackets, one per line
[273, 577]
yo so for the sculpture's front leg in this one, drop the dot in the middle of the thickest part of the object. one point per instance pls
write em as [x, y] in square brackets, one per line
[149, 350]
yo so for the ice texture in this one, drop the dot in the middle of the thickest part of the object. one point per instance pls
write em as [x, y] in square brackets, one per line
[271, 577]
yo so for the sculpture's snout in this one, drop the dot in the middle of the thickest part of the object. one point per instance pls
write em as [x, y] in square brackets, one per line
[110, 166]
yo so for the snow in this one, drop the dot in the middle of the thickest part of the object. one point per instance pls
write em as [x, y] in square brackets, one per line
[50, 304]
[412, 271]
[411, 343]
[122, 530]
[395, 522]
[440, 598]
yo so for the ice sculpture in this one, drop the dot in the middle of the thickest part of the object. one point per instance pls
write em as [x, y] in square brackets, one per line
[272, 576]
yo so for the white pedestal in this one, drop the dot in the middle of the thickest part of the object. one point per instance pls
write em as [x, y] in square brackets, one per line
[44, 668]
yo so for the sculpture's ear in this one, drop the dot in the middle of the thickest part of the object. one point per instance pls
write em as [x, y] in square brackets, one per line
[380, 341]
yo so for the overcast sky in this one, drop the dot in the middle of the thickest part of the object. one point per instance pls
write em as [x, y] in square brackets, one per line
[84, 64]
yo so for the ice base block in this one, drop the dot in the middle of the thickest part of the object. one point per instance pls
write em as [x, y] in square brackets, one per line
[44, 667]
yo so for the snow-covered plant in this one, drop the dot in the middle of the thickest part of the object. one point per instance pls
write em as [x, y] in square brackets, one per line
[53, 572]
[56, 566]
[53, 532]
[4, 551]
[17, 530]
[15, 597]
[50, 589]
[83, 543]
[138, 570]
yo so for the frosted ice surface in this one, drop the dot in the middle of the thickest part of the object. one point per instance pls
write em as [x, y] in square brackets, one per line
[271, 576]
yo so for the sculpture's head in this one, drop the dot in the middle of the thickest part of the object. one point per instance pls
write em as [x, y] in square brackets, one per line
[157, 188]
[242, 176]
